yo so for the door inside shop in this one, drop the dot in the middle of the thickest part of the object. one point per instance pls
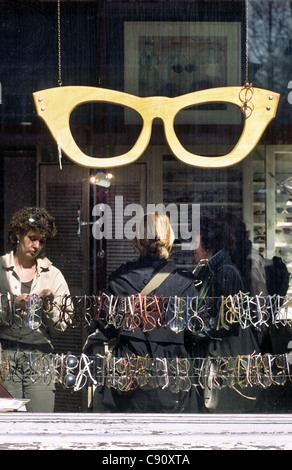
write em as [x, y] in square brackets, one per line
[86, 259]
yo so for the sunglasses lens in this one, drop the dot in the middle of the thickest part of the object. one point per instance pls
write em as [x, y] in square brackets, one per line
[281, 210]
[69, 380]
[176, 324]
[36, 220]
[177, 68]
[33, 220]
[71, 362]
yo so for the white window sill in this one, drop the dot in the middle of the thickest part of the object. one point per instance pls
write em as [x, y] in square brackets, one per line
[161, 432]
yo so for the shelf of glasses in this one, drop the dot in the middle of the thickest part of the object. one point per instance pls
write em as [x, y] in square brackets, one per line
[200, 181]
[271, 220]
[203, 194]
[283, 233]
[259, 213]
[259, 192]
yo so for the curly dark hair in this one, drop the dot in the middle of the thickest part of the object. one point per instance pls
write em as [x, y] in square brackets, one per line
[212, 233]
[31, 219]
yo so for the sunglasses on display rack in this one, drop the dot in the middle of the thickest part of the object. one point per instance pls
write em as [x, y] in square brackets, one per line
[282, 210]
[134, 372]
[55, 106]
[152, 312]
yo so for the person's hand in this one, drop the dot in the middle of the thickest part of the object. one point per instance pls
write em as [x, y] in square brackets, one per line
[46, 293]
[47, 297]
[21, 301]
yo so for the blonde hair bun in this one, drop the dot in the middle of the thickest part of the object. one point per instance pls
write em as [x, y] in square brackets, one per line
[154, 236]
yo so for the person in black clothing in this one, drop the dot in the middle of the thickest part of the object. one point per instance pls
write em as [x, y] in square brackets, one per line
[249, 261]
[216, 276]
[215, 268]
[153, 242]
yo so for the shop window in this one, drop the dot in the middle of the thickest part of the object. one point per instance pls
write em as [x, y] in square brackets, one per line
[153, 49]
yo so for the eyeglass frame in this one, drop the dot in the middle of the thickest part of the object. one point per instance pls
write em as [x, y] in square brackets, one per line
[55, 105]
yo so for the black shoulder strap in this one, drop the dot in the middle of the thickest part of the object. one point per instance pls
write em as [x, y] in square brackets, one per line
[155, 282]
[159, 278]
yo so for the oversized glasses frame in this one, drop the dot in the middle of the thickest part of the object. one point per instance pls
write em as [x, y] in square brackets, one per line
[55, 106]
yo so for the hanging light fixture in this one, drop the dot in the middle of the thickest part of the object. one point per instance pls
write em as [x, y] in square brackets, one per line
[101, 179]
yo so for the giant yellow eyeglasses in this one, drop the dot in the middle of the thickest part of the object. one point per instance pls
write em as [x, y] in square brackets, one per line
[56, 104]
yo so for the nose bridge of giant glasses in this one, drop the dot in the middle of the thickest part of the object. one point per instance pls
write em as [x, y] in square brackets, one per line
[155, 107]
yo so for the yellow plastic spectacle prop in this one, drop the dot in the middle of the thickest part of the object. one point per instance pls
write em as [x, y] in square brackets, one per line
[55, 105]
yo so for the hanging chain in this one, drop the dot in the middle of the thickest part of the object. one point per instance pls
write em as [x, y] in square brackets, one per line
[247, 91]
[59, 46]
[246, 41]
[59, 73]
[245, 96]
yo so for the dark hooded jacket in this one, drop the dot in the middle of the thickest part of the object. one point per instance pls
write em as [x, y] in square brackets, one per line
[132, 277]
[160, 342]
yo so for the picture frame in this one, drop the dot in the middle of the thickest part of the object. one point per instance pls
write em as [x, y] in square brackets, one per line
[175, 58]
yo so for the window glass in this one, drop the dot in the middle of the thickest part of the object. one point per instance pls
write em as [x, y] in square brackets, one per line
[113, 113]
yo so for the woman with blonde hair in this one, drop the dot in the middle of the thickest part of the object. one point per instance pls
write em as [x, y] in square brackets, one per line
[153, 242]
[154, 236]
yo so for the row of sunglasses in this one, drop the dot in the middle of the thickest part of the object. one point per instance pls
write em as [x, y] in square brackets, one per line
[195, 314]
[135, 372]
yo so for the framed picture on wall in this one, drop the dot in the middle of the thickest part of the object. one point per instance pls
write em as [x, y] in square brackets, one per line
[175, 58]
